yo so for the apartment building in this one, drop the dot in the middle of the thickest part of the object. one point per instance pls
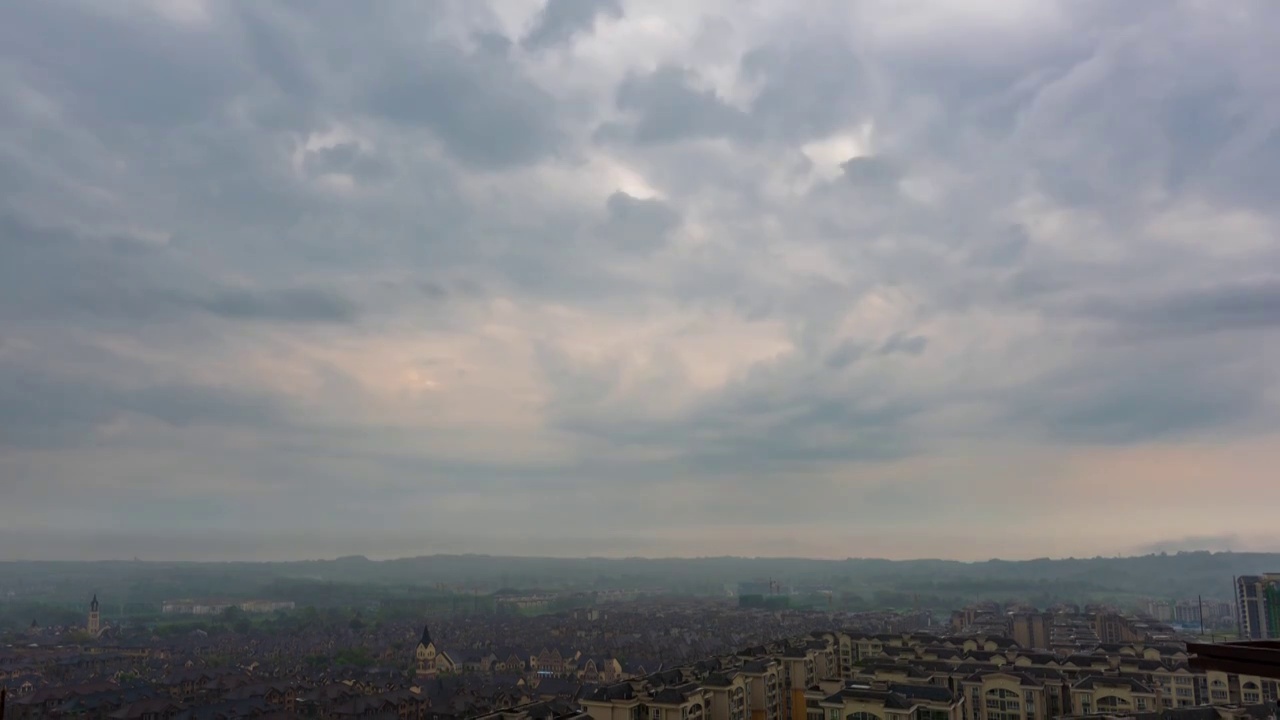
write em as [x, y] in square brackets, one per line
[1235, 689]
[1113, 694]
[850, 675]
[1032, 630]
[806, 663]
[1013, 695]
[1258, 606]
[764, 688]
[727, 695]
[652, 700]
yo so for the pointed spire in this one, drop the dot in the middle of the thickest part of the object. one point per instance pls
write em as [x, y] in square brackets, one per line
[426, 635]
[93, 604]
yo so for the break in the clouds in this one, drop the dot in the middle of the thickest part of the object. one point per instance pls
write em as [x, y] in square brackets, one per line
[870, 278]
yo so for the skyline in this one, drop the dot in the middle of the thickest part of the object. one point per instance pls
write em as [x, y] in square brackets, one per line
[240, 560]
[950, 279]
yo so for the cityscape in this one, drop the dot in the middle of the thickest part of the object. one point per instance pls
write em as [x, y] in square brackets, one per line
[762, 649]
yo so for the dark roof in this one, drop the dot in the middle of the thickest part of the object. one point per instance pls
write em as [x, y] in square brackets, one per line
[922, 692]
[617, 691]
[559, 687]
[1094, 680]
[756, 666]
[1259, 657]
[675, 695]
[1258, 712]
[891, 700]
[720, 679]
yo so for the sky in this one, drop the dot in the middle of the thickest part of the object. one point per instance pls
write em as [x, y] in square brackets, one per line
[834, 278]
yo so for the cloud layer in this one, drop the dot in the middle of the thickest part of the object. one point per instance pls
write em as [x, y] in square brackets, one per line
[849, 279]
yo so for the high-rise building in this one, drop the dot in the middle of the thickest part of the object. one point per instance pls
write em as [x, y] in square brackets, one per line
[1258, 606]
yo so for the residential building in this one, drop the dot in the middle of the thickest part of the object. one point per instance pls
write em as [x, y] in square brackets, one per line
[728, 694]
[1112, 694]
[1258, 606]
[1032, 630]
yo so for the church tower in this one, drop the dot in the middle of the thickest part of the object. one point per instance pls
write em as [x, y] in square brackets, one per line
[426, 654]
[432, 661]
[95, 619]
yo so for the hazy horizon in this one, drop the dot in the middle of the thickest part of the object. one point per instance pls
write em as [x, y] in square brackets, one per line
[875, 278]
[255, 550]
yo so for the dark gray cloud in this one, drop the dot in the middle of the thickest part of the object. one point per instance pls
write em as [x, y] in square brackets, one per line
[132, 279]
[809, 87]
[114, 80]
[845, 355]
[482, 107]
[907, 345]
[1000, 247]
[639, 224]
[44, 410]
[292, 304]
[781, 416]
[870, 172]
[808, 90]
[1226, 308]
[560, 20]
[1131, 393]
[666, 105]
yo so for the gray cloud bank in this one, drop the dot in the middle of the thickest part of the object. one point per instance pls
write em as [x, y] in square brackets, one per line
[680, 271]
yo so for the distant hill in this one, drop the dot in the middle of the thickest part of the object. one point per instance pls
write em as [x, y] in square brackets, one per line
[936, 583]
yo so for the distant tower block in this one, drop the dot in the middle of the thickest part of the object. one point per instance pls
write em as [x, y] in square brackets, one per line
[95, 618]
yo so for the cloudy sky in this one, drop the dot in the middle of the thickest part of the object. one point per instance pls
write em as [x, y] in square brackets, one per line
[618, 277]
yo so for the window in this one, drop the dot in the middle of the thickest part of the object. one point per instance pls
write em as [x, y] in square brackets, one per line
[1111, 702]
[655, 714]
[1251, 696]
[1001, 693]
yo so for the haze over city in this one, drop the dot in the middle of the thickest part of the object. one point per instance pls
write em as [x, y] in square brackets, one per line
[827, 279]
